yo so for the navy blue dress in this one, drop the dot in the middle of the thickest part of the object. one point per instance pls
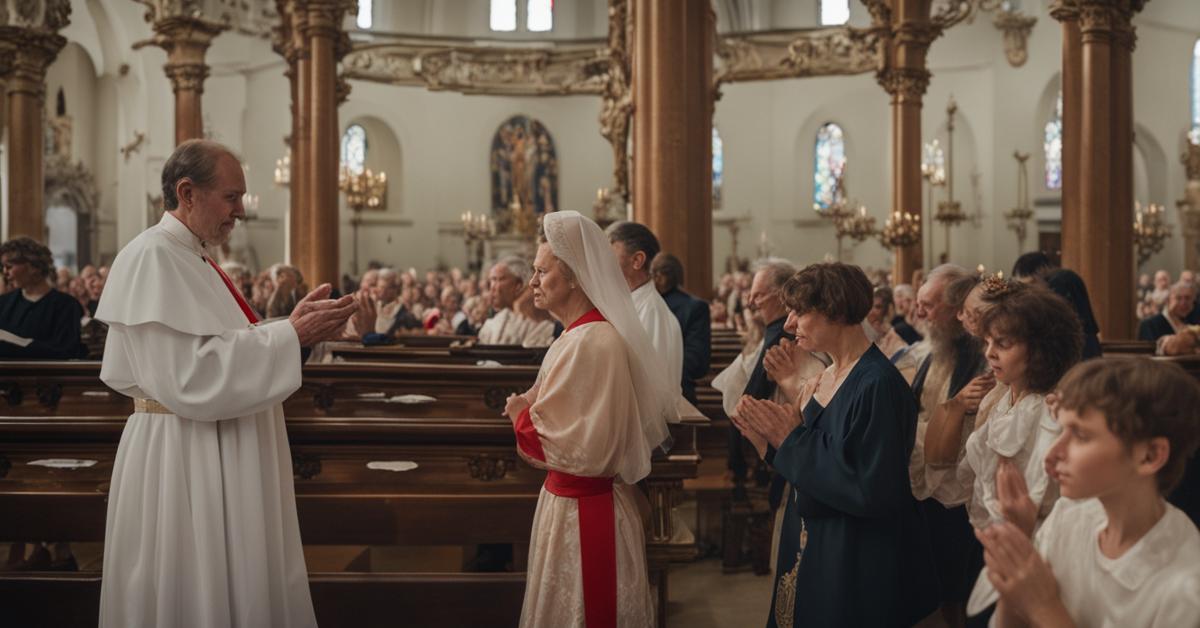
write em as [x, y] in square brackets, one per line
[854, 550]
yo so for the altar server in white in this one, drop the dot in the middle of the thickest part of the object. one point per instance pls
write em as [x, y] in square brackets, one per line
[202, 527]
[635, 247]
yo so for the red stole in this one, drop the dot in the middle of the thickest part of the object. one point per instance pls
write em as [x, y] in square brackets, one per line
[597, 519]
[237, 294]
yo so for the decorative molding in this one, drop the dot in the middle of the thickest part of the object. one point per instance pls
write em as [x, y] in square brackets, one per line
[617, 96]
[134, 145]
[187, 76]
[794, 54]
[71, 185]
[904, 84]
[487, 468]
[47, 16]
[257, 18]
[1016, 27]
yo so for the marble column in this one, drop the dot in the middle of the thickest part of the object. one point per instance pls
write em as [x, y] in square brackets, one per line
[1067, 12]
[672, 121]
[320, 260]
[905, 80]
[185, 40]
[32, 52]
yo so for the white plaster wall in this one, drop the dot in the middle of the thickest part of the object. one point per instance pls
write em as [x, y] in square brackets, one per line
[440, 169]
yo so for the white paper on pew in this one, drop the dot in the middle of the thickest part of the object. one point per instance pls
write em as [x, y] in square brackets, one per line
[412, 399]
[488, 363]
[392, 465]
[8, 336]
[373, 395]
[62, 463]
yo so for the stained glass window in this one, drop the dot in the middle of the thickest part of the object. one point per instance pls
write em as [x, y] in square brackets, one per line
[1194, 135]
[366, 16]
[718, 167]
[1052, 146]
[539, 15]
[828, 166]
[354, 149]
[835, 12]
[504, 15]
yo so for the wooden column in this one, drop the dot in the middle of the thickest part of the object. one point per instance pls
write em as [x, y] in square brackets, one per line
[906, 79]
[33, 52]
[1104, 240]
[1067, 12]
[673, 107]
[319, 259]
[185, 39]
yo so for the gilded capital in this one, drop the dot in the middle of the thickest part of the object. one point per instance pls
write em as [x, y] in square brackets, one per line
[29, 53]
[904, 84]
[1065, 10]
[187, 76]
[1016, 28]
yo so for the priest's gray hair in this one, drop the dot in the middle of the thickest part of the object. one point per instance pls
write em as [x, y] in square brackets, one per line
[1182, 285]
[778, 270]
[194, 160]
[518, 267]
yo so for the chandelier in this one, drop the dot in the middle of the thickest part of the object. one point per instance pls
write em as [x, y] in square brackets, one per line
[1150, 230]
[363, 190]
[1019, 215]
[902, 229]
[950, 212]
[283, 166]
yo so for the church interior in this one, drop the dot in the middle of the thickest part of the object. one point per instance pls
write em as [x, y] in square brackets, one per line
[400, 149]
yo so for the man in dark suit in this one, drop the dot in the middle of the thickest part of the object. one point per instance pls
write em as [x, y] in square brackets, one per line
[694, 321]
[1178, 314]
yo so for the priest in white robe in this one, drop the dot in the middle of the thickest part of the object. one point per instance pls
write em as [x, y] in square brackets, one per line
[635, 247]
[598, 409]
[509, 326]
[201, 528]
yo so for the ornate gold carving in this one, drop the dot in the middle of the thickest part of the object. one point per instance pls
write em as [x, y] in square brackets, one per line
[617, 103]
[31, 52]
[1065, 10]
[905, 84]
[1016, 28]
[793, 54]
[187, 76]
[1097, 19]
[785, 596]
[256, 18]
[133, 146]
[486, 468]
[1191, 162]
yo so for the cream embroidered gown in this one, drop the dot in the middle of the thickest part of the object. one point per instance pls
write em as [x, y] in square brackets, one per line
[585, 414]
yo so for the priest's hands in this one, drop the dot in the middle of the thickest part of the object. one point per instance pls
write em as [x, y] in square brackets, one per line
[317, 317]
[1022, 577]
[765, 422]
[1013, 495]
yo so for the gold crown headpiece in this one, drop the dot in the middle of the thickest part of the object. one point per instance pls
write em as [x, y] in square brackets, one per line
[995, 285]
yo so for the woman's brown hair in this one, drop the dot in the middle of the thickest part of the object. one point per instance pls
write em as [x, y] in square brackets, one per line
[1045, 323]
[840, 292]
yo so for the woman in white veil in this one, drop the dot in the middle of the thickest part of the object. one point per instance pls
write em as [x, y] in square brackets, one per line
[600, 406]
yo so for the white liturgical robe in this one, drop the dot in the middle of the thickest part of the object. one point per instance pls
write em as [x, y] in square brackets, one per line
[510, 328]
[202, 527]
[663, 328]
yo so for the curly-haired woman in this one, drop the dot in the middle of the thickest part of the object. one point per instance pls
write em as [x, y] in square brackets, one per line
[36, 321]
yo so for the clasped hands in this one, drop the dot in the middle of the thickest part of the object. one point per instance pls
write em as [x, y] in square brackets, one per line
[1023, 578]
[317, 317]
[783, 365]
[968, 399]
[764, 422]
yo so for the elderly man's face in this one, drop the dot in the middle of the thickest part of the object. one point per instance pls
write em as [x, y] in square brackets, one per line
[503, 286]
[764, 299]
[212, 212]
[1181, 301]
[932, 307]
[368, 280]
[1162, 280]
[386, 290]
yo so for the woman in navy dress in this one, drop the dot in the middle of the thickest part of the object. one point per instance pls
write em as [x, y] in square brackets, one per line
[853, 550]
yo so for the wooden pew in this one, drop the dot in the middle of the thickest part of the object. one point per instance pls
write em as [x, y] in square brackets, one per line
[468, 476]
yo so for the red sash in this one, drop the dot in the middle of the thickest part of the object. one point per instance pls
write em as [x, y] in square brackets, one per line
[237, 294]
[597, 543]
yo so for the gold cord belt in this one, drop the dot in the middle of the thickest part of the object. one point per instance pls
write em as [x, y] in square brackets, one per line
[150, 406]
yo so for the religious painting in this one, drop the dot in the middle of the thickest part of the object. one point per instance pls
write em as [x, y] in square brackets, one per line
[524, 166]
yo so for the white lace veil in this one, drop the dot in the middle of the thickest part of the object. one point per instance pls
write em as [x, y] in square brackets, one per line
[580, 243]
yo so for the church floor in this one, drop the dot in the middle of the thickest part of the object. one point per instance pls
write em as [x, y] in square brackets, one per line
[702, 597]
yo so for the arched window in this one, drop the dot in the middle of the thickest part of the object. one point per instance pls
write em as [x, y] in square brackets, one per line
[1194, 134]
[524, 166]
[1052, 145]
[504, 15]
[835, 12]
[718, 168]
[539, 15]
[366, 14]
[828, 166]
[354, 149]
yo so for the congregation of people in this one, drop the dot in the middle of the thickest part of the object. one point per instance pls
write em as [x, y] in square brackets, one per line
[954, 449]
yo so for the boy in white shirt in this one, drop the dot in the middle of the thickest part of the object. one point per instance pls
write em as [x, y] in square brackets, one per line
[1113, 552]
